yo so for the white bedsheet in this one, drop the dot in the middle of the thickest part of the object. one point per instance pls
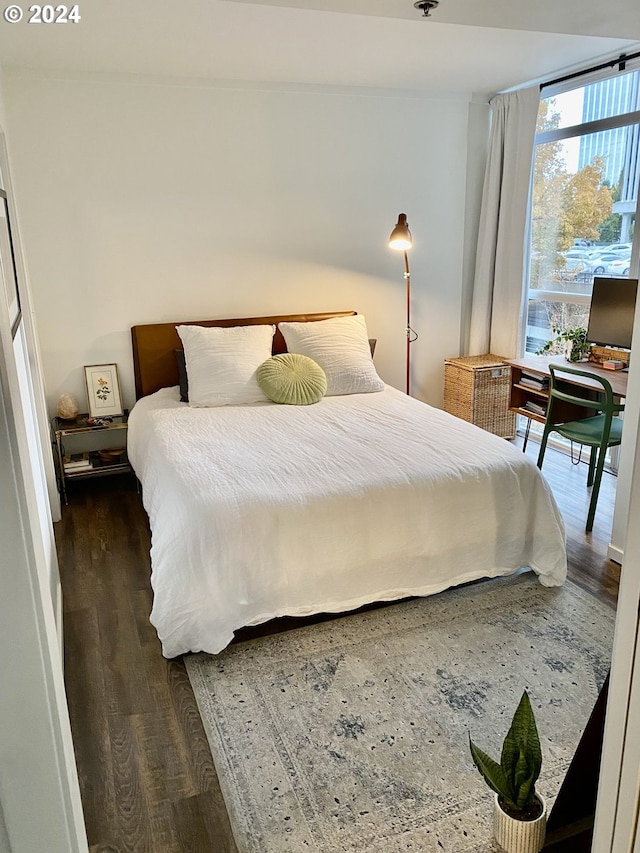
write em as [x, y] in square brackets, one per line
[262, 510]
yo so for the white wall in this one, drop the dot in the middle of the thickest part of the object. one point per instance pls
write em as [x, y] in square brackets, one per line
[39, 793]
[149, 200]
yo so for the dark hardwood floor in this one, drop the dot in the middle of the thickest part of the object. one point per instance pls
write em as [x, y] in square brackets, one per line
[147, 779]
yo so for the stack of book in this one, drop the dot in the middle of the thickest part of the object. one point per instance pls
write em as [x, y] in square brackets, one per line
[534, 381]
[76, 462]
[535, 408]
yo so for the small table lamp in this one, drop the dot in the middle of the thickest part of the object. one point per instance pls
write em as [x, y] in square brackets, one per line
[402, 241]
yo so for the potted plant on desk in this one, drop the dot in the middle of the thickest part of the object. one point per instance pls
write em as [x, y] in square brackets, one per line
[572, 343]
[519, 811]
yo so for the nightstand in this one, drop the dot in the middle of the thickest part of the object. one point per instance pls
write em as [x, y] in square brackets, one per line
[107, 441]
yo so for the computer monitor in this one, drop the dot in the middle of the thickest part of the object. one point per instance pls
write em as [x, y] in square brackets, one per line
[613, 303]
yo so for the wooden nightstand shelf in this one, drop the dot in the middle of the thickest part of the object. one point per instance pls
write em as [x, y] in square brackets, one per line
[102, 437]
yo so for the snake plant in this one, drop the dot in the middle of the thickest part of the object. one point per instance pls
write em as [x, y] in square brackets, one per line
[514, 778]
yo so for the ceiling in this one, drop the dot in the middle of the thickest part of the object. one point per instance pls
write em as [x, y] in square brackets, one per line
[465, 46]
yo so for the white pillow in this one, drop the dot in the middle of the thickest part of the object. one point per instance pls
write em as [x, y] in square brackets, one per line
[222, 363]
[340, 346]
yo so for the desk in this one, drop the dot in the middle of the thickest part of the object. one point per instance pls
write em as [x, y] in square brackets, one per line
[524, 396]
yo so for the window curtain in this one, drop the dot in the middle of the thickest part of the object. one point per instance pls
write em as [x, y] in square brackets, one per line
[499, 285]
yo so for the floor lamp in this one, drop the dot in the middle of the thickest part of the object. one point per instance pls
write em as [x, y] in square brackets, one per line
[402, 241]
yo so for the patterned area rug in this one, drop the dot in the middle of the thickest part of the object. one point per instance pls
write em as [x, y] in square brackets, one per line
[353, 734]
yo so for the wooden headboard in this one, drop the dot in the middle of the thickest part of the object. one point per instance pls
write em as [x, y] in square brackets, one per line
[154, 362]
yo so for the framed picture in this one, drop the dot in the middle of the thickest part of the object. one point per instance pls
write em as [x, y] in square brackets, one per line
[8, 265]
[103, 390]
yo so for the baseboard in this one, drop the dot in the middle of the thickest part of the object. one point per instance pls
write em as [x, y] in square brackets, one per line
[614, 553]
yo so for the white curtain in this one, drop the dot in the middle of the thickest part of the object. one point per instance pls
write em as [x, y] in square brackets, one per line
[498, 289]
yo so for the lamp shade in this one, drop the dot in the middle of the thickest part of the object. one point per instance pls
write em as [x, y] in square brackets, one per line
[400, 238]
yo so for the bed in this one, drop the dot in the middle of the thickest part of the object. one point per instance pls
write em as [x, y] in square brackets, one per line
[264, 510]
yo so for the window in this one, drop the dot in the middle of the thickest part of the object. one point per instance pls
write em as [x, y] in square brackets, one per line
[584, 199]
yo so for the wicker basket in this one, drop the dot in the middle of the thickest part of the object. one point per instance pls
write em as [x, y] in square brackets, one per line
[599, 354]
[477, 388]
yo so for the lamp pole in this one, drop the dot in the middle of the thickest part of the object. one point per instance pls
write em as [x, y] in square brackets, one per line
[401, 240]
[407, 278]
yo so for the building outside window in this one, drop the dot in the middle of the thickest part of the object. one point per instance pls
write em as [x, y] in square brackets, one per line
[618, 148]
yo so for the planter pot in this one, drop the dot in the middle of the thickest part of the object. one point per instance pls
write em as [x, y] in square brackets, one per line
[519, 836]
[575, 351]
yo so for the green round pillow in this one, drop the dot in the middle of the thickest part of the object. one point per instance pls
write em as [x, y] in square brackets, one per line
[293, 379]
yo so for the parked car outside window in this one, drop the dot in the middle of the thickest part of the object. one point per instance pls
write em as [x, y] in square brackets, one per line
[580, 264]
[603, 261]
[619, 268]
[618, 247]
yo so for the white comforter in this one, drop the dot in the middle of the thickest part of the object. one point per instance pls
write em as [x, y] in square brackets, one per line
[262, 510]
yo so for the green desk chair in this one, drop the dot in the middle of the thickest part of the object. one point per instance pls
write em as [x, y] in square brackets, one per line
[597, 432]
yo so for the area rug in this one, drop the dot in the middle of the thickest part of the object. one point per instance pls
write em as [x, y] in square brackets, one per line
[353, 734]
